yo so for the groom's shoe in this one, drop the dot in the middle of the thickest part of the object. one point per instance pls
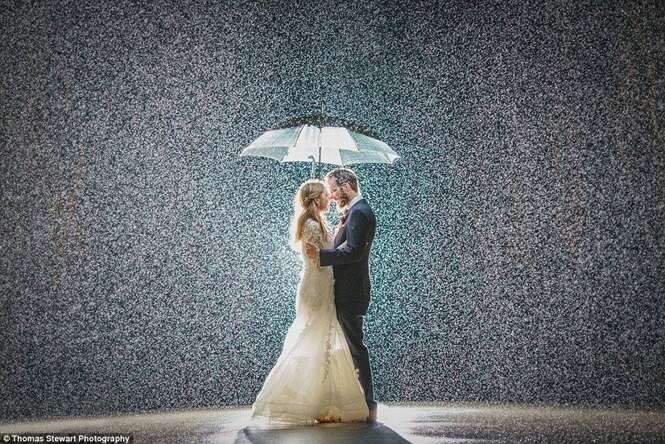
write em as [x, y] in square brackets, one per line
[372, 416]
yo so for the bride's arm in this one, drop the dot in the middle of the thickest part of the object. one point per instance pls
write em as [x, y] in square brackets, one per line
[311, 235]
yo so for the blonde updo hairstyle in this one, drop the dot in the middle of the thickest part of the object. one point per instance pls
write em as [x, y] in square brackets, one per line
[306, 206]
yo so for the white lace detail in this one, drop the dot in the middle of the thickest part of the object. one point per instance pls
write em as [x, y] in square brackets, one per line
[326, 368]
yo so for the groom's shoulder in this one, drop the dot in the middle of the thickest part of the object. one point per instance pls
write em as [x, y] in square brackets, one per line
[363, 207]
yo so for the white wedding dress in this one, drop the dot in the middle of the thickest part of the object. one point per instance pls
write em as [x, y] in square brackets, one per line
[314, 376]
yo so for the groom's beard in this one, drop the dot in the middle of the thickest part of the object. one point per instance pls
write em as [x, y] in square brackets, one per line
[343, 200]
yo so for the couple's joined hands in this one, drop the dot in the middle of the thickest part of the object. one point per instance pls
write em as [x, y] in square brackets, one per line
[311, 250]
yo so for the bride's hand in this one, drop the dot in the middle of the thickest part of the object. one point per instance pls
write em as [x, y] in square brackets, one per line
[311, 250]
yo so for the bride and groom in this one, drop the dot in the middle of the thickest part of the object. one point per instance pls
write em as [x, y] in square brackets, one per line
[323, 372]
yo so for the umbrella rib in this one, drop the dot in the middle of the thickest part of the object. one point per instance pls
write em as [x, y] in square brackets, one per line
[295, 141]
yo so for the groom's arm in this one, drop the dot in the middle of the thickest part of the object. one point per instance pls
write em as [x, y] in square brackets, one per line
[356, 243]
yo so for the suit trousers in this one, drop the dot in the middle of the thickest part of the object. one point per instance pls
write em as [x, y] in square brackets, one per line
[352, 325]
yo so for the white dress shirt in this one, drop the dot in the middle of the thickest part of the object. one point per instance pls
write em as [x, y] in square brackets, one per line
[352, 203]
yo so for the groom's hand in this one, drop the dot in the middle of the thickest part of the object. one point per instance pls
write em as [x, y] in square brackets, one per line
[311, 250]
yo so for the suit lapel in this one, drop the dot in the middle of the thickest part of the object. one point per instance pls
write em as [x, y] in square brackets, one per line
[340, 235]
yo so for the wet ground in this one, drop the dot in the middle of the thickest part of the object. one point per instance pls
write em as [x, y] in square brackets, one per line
[397, 423]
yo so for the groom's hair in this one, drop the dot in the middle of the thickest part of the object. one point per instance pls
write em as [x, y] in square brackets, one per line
[343, 176]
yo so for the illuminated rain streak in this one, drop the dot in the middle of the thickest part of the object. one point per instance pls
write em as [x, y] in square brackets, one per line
[519, 252]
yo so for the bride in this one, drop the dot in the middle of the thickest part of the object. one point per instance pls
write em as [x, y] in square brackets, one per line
[314, 379]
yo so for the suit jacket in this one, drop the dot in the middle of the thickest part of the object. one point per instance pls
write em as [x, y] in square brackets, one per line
[351, 261]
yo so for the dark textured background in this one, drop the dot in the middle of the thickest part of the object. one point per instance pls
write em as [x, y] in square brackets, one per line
[520, 253]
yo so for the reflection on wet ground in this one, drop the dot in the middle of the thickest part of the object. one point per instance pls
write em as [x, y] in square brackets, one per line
[429, 423]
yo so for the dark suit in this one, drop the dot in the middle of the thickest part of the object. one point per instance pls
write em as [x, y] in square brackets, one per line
[352, 284]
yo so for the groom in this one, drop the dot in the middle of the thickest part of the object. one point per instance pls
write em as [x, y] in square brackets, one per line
[350, 261]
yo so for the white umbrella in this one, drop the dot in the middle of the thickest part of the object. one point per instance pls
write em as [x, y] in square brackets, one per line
[336, 145]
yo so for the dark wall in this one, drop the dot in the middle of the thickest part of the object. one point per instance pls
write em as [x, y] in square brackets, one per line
[520, 253]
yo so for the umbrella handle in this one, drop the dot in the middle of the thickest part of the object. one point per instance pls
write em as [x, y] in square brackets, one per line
[312, 175]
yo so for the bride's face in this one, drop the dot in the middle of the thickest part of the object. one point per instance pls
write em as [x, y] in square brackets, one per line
[324, 202]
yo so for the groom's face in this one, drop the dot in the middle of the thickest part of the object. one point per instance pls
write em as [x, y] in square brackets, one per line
[336, 193]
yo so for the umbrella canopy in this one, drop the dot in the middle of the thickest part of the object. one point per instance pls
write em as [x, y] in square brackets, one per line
[321, 139]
